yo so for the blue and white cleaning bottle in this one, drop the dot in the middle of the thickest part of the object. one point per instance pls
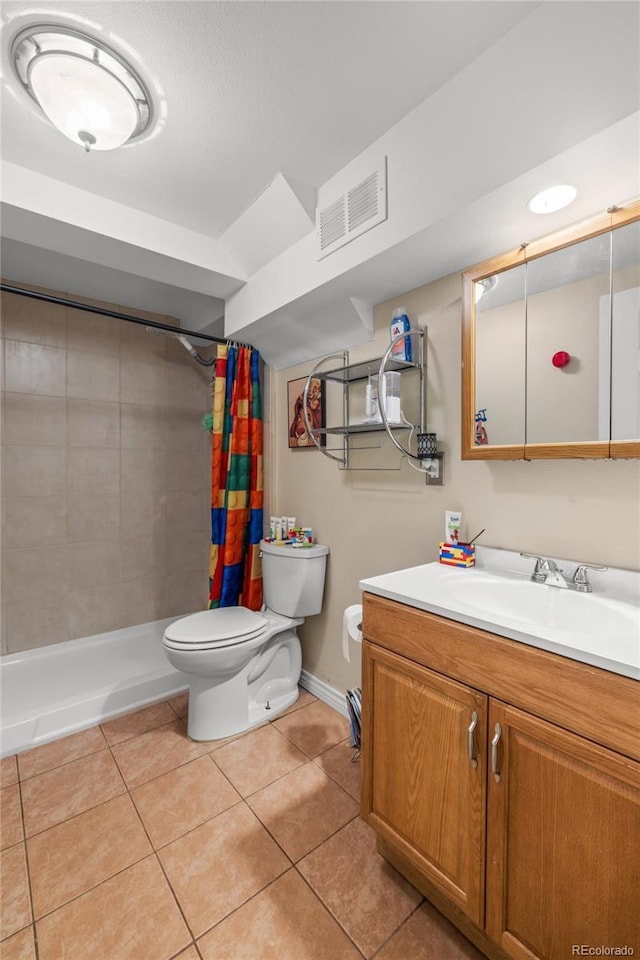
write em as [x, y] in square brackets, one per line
[400, 324]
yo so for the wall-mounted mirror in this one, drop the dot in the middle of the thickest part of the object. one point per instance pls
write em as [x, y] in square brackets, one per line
[551, 344]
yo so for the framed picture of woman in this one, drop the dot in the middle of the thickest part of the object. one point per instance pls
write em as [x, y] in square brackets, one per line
[298, 435]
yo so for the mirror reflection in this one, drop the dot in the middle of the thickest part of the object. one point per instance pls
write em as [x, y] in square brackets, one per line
[625, 334]
[567, 299]
[500, 327]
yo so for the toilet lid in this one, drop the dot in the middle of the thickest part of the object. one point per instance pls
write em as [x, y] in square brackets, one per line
[216, 627]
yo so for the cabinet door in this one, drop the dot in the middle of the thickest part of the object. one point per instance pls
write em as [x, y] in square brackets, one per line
[563, 853]
[424, 775]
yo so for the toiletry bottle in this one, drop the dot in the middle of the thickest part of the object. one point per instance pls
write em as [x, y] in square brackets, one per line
[400, 324]
[452, 526]
[372, 409]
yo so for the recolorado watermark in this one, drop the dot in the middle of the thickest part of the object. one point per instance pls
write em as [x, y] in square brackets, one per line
[586, 950]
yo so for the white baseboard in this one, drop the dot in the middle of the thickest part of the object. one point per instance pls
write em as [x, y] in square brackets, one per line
[321, 690]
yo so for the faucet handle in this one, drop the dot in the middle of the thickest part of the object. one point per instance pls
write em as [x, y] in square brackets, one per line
[539, 574]
[580, 579]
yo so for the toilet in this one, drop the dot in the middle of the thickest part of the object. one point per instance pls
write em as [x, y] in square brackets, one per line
[244, 666]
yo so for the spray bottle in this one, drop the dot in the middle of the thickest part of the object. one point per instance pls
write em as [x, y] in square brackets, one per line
[400, 324]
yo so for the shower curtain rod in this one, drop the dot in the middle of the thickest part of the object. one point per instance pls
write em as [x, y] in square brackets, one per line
[114, 314]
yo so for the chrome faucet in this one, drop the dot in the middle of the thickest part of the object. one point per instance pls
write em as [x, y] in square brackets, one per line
[548, 571]
[580, 580]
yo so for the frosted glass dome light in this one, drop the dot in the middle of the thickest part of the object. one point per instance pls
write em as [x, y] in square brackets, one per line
[93, 96]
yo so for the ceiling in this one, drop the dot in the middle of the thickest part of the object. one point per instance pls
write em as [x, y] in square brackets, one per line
[263, 106]
[249, 89]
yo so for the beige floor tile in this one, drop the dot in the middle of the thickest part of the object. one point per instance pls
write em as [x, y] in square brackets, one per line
[302, 809]
[364, 893]
[8, 771]
[57, 795]
[182, 799]
[11, 831]
[304, 699]
[52, 755]
[133, 724]
[220, 864]
[15, 906]
[155, 753]
[180, 704]
[19, 947]
[132, 916]
[314, 728]
[284, 922]
[338, 763]
[257, 759]
[80, 853]
[425, 935]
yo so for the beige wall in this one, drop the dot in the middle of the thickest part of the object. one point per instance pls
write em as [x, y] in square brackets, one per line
[105, 480]
[375, 522]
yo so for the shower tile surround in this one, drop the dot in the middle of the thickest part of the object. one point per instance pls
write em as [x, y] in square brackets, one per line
[105, 475]
[190, 859]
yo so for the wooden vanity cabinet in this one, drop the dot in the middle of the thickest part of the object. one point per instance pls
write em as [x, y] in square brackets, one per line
[563, 854]
[427, 795]
[536, 850]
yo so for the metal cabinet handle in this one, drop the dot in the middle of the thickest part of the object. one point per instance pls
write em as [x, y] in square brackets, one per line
[470, 732]
[494, 752]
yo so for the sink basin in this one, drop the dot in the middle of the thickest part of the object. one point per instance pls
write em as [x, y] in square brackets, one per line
[536, 603]
[600, 628]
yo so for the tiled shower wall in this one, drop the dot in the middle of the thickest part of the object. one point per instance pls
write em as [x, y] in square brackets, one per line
[105, 475]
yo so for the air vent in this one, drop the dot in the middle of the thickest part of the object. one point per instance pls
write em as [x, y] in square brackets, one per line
[355, 211]
[332, 224]
[362, 202]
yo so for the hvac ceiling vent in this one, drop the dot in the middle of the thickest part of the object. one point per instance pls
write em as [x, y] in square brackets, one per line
[355, 211]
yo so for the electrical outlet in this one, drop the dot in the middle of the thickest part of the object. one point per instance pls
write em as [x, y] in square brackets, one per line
[433, 467]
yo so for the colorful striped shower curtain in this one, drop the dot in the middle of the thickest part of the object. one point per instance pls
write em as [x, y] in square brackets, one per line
[235, 569]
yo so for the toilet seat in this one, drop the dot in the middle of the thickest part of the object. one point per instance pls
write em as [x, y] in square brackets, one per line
[210, 629]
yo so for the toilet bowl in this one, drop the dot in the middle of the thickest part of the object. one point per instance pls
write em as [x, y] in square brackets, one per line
[244, 666]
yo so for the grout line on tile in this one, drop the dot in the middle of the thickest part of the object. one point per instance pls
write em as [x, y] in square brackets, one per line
[197, 826]
[26, 857]
[332, 915]
[154, 850]
[398, 928]
[175, 896]
[337, 782]
[96, 886]
[324, 840]
[245, 902]
[93, 887]
[132, 740]
[271, 782]
[65, 763]
[38, 833]
[174, 956]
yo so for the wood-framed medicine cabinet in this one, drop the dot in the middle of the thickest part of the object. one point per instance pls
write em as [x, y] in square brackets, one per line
[551, 346]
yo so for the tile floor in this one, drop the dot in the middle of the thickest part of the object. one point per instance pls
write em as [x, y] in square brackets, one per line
[131, 842]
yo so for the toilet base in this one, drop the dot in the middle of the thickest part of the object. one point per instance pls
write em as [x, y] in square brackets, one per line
[266, 687]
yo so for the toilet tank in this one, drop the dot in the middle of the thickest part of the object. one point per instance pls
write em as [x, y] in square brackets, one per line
[293, 578]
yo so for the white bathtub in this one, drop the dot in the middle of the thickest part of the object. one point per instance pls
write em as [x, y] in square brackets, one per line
[53, 691]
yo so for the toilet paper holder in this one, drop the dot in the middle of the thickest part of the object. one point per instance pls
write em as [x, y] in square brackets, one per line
[351, 628]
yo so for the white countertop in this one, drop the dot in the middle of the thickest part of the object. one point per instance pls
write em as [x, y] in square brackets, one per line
[601, 628]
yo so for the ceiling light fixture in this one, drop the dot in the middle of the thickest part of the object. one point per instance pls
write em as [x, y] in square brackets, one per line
[555, 198]
[86, 89]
